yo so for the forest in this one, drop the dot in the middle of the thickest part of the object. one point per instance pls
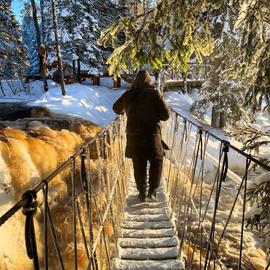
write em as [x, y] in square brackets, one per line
[214, 53]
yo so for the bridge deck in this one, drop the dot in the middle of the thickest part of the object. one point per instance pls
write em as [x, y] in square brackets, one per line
[149, 239]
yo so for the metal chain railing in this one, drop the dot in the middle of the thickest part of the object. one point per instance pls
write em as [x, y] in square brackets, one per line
[80, 230]
[207, 180]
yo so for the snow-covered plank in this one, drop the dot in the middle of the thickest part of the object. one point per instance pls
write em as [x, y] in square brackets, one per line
[149, 253]
[148, 265]
[147, 225]
[149, 242]
[133, 203]
[148, 233]
[149, 239]
[149, 211]
[156, 217]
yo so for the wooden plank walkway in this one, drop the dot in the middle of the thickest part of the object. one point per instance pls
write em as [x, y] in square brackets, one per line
[149, 239]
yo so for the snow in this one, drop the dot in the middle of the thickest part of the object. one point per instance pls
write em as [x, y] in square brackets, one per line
[218, 19]
[65, 37]
[263, 178]
[148, 234]
[83, 66]
[151, 242]
[23, 92]
[181, 103]
[243, 13]
[86, 101]
[52, 36]
[93, 19]
[148, 265]
[146, 254]
[78, 36]
[94, 103]
[94, 71]
[5, 183]
[263, 120]
[75, 56]
[65, 12]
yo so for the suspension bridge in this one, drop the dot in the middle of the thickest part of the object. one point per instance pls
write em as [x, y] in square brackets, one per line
[100, 223]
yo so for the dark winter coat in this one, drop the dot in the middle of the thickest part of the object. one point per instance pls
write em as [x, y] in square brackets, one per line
[145, 109]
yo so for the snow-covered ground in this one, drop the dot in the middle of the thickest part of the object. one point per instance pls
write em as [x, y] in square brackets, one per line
[87, 101]
[94, 103]
[17, 91]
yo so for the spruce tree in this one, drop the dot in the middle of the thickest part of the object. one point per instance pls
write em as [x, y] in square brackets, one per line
[254, 23]
[223, 90]
[79, 25]
[13, 53]
[169, 33]
[29, 38]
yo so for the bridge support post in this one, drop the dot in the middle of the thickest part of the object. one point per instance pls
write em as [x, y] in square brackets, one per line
[29, 209]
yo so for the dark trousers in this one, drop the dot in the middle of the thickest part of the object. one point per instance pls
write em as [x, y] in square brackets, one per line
[140, 174]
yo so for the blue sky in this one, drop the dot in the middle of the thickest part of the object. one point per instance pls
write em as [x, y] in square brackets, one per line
[17, 6]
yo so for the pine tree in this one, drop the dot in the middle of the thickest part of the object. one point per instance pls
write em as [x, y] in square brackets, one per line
[43, 20]
[254, 70]
[169, 33]
[258, 193]
[29, 38]
[13, 53]
[79, 25]
[223, 90]
[253, 20]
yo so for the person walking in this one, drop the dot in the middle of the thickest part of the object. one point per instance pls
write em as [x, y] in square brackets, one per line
[144, 108]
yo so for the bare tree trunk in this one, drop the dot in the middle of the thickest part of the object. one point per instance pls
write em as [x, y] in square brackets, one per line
[74, 70]
[185, 84]
[40, 51]
[38, 36]
[215, 119]
[58, 52]
[79, 70]
[43, 21]
[222, 120]
[35, 18]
